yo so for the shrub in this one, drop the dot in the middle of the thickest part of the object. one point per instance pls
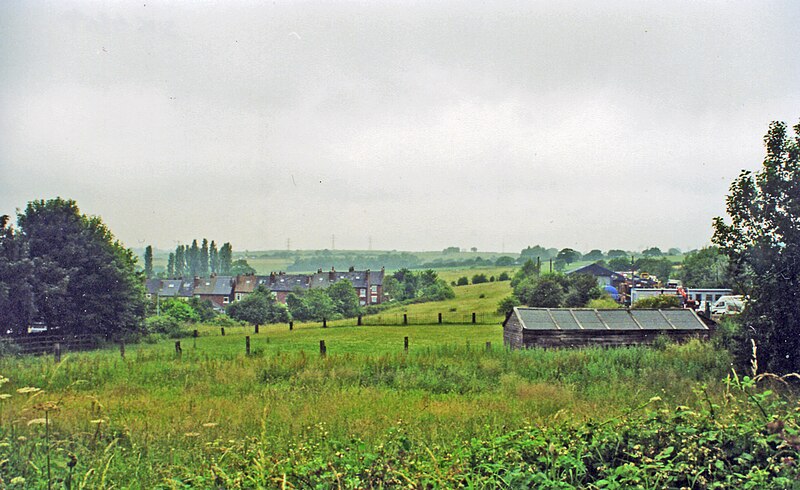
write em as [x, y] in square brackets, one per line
[164, 324]
[479, 278]
[226, 321]
[179, 310]
[659, 302]
[462, 281]
[507, 305]
[603, 303]
[504, 276]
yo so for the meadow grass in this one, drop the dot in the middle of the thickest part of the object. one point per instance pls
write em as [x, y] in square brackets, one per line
[156, 417]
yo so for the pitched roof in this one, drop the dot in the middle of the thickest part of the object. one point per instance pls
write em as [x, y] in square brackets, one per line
[215, 286]
[284, 282]
[245, 284]
[598, 271]
[611, 319]
[152, 286]
[360, 279]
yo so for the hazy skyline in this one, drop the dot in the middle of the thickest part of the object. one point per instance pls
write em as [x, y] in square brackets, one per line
[418, 125]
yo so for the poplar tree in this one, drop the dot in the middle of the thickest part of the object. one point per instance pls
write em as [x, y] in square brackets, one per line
[148, 262]
[213, 258]
[171, 266]
[194, 259]
[180, 261]
[225, 259]
[204, 259]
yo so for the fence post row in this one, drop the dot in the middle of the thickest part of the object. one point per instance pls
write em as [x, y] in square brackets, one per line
[324, 322]
[178, 349]
[323, 351]
[222, 331]
[122, 350]
[256, 328]
[405, 318]
[440, 318]
[57, 352]
[359, 320]
[405, 344]
[473, 317]
[291, 325]
[247, 345]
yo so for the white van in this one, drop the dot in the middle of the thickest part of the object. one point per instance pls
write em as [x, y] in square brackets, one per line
[728, 305]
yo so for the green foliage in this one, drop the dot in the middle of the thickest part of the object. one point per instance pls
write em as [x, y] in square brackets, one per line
[479, 278]
[204, 260]
[568, 255]
[581, 289]
[652, 252]
[310, 305]
[507, 305]
[225, 259]
[148, 262]
[165, 325]
[17, 280]
[762, 243]
[538, 252]
[171, 266]
[258, 308]
[603, 303]
[180, 310]
[85, 280]
[674, 251]
[438, 291]
[661, 301]
[661, 268]
[241, 267]
[451, 250]
[594, 255]
[503, 276]
[344, 298]
[203, 308]
[616, 253]
[528, 270]
[462, 281]
[547, 291]
[213, 258]
[504, 261]
[705, 268]
[620, 263]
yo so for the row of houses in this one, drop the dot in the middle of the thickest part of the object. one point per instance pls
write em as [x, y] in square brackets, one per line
[222, 290]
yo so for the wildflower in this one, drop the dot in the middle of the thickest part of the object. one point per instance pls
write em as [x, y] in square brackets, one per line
[208, 425]
[5, 396]
[17, 480]
[37, 421]
[28, 389]
[97, 421]
[192, 434]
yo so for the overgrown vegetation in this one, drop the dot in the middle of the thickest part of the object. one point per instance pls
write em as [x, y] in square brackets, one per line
[368, 415]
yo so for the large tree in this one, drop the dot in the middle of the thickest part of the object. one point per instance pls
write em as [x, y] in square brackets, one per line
[225, 259]
[85, 280]
[17, 307]
[258, 308]
[762, 242]
[705, 268]
[204, 259]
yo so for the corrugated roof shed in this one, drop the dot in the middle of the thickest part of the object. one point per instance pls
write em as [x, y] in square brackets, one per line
[612, 319]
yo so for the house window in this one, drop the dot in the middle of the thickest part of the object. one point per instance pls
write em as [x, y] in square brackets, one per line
[238, 296]
[362, 302]
[374, 289]
[362, 293]
[225, 300]
[374, 298]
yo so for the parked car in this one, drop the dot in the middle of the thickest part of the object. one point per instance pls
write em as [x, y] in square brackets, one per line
[37, 327]
[728, 305]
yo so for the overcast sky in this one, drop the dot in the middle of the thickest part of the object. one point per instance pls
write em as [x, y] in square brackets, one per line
[418, 125]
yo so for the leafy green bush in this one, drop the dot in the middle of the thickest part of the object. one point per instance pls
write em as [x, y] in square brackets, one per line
[479, 279]
[504, 276]
[164, 324]
[179, 310]
[462, 281]
[658, 302]
[604, 302]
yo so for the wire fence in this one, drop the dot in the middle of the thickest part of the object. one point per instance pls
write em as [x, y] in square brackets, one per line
[47, 343]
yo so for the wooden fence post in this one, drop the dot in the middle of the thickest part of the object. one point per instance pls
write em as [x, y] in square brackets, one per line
[122, 350]
[195, 334]
[323, 351]
[247, 345]
[405, 318]
[488, 346]
[256, 328]
[405, 344]
[178, 349]
[222, 331]
[474, 317]
[440, 318]
[324, 322]
[57, 352]
[291, 325]
[359, 320]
